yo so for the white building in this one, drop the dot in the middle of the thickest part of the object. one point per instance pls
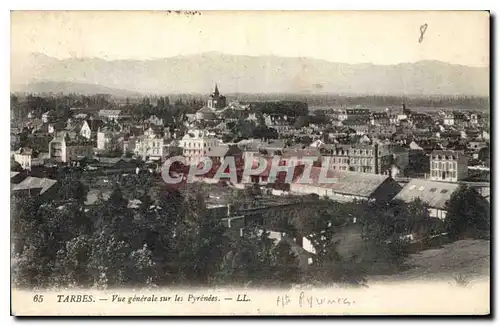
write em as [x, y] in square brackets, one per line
[27, 158]
[446, 165]
[85, 131]
[149, 145]
[110, 114]
[196, 144]
[434, 194]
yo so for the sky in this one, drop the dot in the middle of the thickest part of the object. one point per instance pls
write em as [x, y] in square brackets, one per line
[349, 37]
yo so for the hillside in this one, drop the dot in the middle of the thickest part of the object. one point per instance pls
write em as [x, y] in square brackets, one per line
[247, 74]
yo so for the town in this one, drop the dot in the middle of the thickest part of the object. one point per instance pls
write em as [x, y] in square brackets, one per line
[90, 202]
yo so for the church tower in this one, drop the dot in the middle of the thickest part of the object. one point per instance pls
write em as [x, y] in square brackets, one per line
[216, 101]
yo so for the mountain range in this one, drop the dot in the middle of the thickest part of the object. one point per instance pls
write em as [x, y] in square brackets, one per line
[198, 73]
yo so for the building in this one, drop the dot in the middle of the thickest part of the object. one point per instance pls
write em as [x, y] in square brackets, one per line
[64, 148]
[454, 118]
[434, 194]
[90, 128]
[365, 158]
[110, 114]
[154, 120]
[474, 119]
[32, 186]
[196, 144]
[17, 177]
[206, 114]
[151, 145]
[348, 186]
[379, 119]
[218, 153]
[360, 125]
[216, 100]
[27, 158]
[446, 165]
[345, 114]
[49, 117]
[107, 138]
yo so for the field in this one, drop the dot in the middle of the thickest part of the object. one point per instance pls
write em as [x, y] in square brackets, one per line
[464, 258]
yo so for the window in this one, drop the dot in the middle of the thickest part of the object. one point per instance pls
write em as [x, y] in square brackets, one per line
[433, 189]
[444, 191]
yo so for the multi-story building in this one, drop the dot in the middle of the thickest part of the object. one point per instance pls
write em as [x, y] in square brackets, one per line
[196, 144]
[454, 118]
[345, 114]
[150, 145]
[379, 119]
[362, 158]
[474, 119]
[64, 148]
[446, 165]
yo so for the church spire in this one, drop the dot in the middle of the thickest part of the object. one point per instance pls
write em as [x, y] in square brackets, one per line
[216, 92]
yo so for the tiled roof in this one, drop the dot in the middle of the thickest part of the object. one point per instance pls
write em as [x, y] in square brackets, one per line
[29, 183]
[434, 193]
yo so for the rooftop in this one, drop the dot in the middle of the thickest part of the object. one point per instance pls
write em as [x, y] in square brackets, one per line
[30, 183]
[434, 193]
[349, 183]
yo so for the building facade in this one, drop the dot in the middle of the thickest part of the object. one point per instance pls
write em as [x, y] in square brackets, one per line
[446, 165]
[65, 149]
[196, 144]
[364, 158]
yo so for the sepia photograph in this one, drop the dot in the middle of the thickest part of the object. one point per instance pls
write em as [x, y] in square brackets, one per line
[250, 163]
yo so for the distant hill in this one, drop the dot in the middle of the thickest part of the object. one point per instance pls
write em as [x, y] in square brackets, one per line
[71, 87]
[248, 74]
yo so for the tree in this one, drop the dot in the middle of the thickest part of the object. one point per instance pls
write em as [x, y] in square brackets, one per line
[114, 147]
[484, 155]
[468, 213]
[73, 188]
[15, 166]
[255, 259]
